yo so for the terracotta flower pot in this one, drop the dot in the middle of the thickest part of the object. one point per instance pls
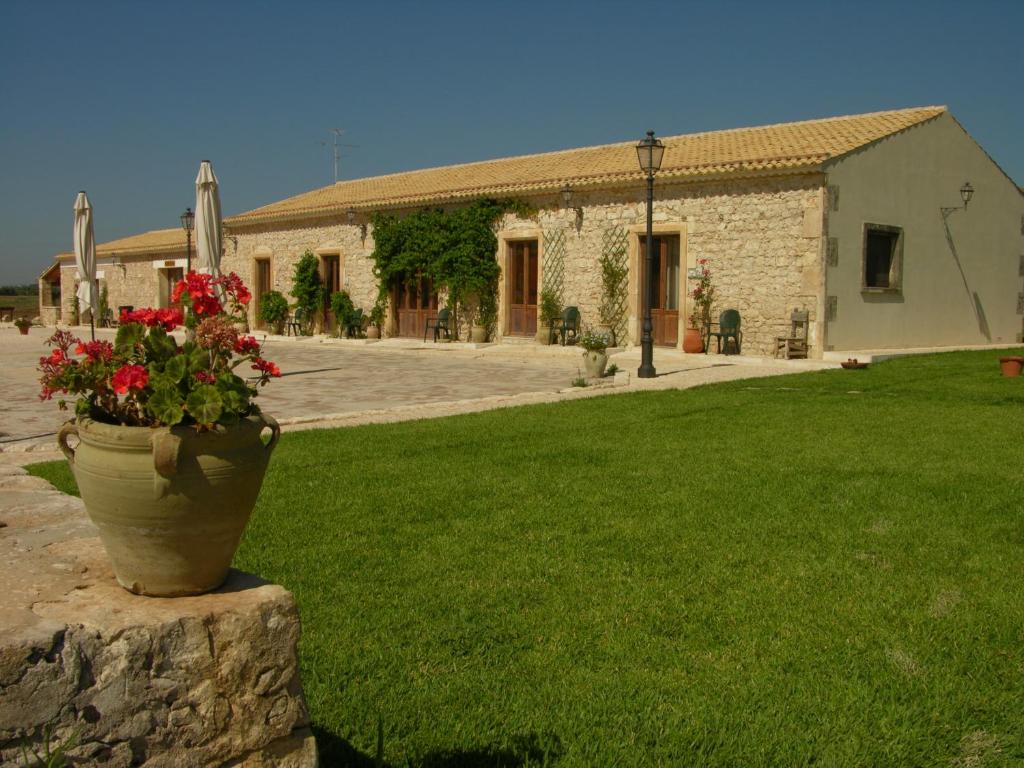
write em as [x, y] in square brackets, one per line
[23, 330]
[1011, 366]
[170, 503]
[372, 332]
[478, 334]
[693, 341]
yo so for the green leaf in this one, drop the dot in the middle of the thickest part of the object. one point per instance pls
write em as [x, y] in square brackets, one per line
[234, 391]
[205, 404]
[159, 345]
[176, 368]
[228, 418]
[198, 360]
[165, 405]
[128, 337]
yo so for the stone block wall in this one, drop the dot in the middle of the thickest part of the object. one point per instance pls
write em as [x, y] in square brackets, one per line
[762, 239]
[135, 282]
[284, 245]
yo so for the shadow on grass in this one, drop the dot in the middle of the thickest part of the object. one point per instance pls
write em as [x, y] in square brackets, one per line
[525, 750]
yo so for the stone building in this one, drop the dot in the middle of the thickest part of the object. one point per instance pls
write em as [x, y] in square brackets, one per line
[857, 220]
[136, 271]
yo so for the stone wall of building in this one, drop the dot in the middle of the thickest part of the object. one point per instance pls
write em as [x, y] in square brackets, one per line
[284, 245]
[761, 239]
[132, 281]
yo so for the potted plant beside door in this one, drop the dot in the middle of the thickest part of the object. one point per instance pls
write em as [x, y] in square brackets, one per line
[702, 299]
[550, 311]
[170, 455]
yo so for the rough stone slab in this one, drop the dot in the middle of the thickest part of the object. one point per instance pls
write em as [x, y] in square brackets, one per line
[188, 682]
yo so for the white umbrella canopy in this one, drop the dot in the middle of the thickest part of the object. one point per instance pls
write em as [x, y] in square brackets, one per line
[85, 256]
[208, 242]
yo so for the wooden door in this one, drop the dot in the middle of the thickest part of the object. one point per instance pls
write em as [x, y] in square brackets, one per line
[665, 289]
[171, 276]
[262, 286]
[415, 303]
[330, 273]
[522, 287]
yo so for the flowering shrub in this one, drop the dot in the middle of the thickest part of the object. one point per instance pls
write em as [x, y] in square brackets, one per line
[592, 341]
[145, 378]
[703, 297]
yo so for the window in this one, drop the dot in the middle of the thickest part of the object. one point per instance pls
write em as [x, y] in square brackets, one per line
[883, 259]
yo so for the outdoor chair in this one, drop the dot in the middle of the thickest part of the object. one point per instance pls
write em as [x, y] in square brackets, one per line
[568, 323]
[354, 325]
[440, 325]
[794, 346]
[728, 331]
[109, 320]
[296, 323]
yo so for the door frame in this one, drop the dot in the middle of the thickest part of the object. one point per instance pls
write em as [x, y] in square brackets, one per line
[506, 236]
[257, 259]
[686, 262]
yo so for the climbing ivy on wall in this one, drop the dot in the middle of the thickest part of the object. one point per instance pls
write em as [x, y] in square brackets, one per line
[455, 249]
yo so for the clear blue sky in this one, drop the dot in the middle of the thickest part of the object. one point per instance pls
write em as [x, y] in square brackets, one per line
[123, 99]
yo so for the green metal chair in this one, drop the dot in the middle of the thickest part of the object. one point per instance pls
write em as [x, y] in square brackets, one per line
[440, 325]
[354, 324]
[568, 323]
[297, 323]
[728, 330]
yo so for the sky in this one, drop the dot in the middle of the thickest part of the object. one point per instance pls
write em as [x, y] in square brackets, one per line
[124, 99]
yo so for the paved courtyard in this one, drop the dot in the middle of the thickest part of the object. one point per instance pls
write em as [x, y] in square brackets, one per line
[334, 383]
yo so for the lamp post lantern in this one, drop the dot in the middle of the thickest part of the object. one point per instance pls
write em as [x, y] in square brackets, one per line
[649, 152]
[188, 223]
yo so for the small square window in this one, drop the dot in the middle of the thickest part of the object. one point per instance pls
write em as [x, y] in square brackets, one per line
[883, 259]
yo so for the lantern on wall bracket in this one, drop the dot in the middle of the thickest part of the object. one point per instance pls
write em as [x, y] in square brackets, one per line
[966, 193]
[567, 199]
[350, 214]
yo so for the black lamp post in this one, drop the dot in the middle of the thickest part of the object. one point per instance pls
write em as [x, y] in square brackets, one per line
[188, 223]
[649, 152]
[966, 193]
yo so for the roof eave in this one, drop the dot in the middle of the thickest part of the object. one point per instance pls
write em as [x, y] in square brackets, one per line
[538, 189]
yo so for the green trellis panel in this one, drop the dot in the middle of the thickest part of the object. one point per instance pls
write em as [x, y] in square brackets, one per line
[554, 261]
[615, 246]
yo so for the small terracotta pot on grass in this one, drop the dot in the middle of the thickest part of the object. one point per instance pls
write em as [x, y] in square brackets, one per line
[1011, 366]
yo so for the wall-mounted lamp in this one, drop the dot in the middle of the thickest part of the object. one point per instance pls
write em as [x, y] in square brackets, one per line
[567, 196]
[225, 235]
[351, 216]
[966, 193]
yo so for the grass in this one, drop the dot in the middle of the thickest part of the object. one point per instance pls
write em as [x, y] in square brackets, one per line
[820, 569]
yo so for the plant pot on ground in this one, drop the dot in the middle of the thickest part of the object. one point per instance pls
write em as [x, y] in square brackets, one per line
[23, 324]
[693, 341]
[170, 457]
[595, 352]
[1011, 366]
[478, 334]
[550, 311]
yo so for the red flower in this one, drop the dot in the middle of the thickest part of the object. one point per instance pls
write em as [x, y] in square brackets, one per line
[246, 345]
[96, 350]
[130, 377]
[56, 357]
[205, 377]
[266, 367]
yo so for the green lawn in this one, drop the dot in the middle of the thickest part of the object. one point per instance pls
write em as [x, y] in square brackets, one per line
[826, 568]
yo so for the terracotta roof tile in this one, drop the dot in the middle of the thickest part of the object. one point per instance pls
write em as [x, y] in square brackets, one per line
[783, 148]
[154, 241]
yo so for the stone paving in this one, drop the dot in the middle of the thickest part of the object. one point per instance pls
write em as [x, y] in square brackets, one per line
[327, 382]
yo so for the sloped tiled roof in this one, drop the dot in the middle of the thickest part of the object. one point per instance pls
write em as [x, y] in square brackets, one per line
[155, 241]
[772, 149]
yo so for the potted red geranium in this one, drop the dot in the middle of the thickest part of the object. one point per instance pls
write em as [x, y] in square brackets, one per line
[170, 457]
[703, 297]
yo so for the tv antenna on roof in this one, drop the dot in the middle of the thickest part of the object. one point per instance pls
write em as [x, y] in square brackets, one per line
[337, 148]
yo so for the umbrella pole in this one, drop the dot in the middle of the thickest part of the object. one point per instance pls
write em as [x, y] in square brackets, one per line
[92, 326]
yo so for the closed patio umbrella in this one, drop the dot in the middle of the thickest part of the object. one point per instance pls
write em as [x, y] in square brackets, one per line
[208, 240]
[85, 259]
